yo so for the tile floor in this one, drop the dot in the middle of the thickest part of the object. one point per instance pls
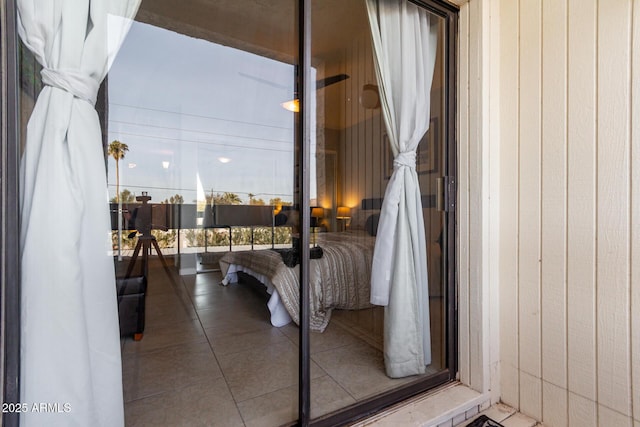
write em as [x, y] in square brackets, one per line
[210, 357]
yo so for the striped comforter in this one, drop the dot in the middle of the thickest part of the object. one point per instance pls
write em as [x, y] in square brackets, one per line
[340, 279]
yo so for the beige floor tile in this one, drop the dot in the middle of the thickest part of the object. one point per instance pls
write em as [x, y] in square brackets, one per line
[292, 331]
[218, 323]
[254, 373]
[167, 309]
[281, 406]
[202, 283]
[332, 337]
[201, 404]
[231, 310]
[197, 330]
[157, 337]
[166, 369]
[359, 369]
[159, 282]
[328, 396]
[254, 341]
[271, 409]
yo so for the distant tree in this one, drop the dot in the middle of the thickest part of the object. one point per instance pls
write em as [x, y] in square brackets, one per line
[126, 196]
[251, 196]
[277, 201]
[117, 150]
[257, 202]
[174, 200]
[224, 199]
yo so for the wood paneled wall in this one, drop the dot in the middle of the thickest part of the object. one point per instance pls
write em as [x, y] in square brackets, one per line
[570, 210]
[361, 153]
[364, 163]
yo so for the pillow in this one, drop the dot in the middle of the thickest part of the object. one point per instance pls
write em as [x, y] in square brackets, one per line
[358, 219]
[280, 219]
[371, 225]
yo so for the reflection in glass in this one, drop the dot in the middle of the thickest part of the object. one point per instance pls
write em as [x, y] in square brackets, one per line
[353, 164]
[203, 94]
[196, 93]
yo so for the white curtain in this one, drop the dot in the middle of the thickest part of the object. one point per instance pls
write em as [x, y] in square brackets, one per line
[404, 43]
[70, 346]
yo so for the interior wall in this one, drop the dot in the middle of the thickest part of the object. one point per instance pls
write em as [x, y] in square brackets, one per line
[570, 210]
[365, 160]
[361, 155]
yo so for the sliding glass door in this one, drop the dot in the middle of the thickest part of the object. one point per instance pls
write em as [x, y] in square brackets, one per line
[249, 150]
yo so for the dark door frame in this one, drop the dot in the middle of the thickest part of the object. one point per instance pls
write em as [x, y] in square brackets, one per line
[303, 148]
[10, 273]
[9, 166]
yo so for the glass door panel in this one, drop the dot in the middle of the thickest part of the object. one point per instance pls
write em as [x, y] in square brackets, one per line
[196, 94]
[351, 164]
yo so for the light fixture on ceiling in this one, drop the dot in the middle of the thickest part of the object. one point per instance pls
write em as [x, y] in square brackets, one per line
[293, 105]
[165, 164]
[224, 159]
[370, 97]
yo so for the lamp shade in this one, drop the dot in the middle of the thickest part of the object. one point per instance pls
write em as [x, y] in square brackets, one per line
[316, 213]
[343, 212]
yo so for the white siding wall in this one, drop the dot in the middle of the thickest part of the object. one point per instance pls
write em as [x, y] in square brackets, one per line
[569, 210]
[477, 213]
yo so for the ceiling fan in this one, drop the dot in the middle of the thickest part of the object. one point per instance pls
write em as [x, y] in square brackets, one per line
[294, 104]
[320, 83]
[328, 81]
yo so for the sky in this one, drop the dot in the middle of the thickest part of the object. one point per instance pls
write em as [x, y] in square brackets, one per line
[212, 112]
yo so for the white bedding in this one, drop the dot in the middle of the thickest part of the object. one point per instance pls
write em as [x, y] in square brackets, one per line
[279, 314]
[340, 279]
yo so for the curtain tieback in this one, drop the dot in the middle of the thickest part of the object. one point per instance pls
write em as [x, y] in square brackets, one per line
[77, 83]
[407, 158]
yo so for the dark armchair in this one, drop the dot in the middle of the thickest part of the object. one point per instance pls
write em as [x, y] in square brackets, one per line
[131, 303]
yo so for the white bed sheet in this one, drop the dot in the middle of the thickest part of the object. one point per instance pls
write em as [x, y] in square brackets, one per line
[279, 315]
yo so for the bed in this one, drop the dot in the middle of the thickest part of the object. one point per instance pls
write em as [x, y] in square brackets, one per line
[340, 279]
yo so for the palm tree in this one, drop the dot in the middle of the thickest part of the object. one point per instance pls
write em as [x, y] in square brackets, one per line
[224, 199]
[117, 150]
[231, 199]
